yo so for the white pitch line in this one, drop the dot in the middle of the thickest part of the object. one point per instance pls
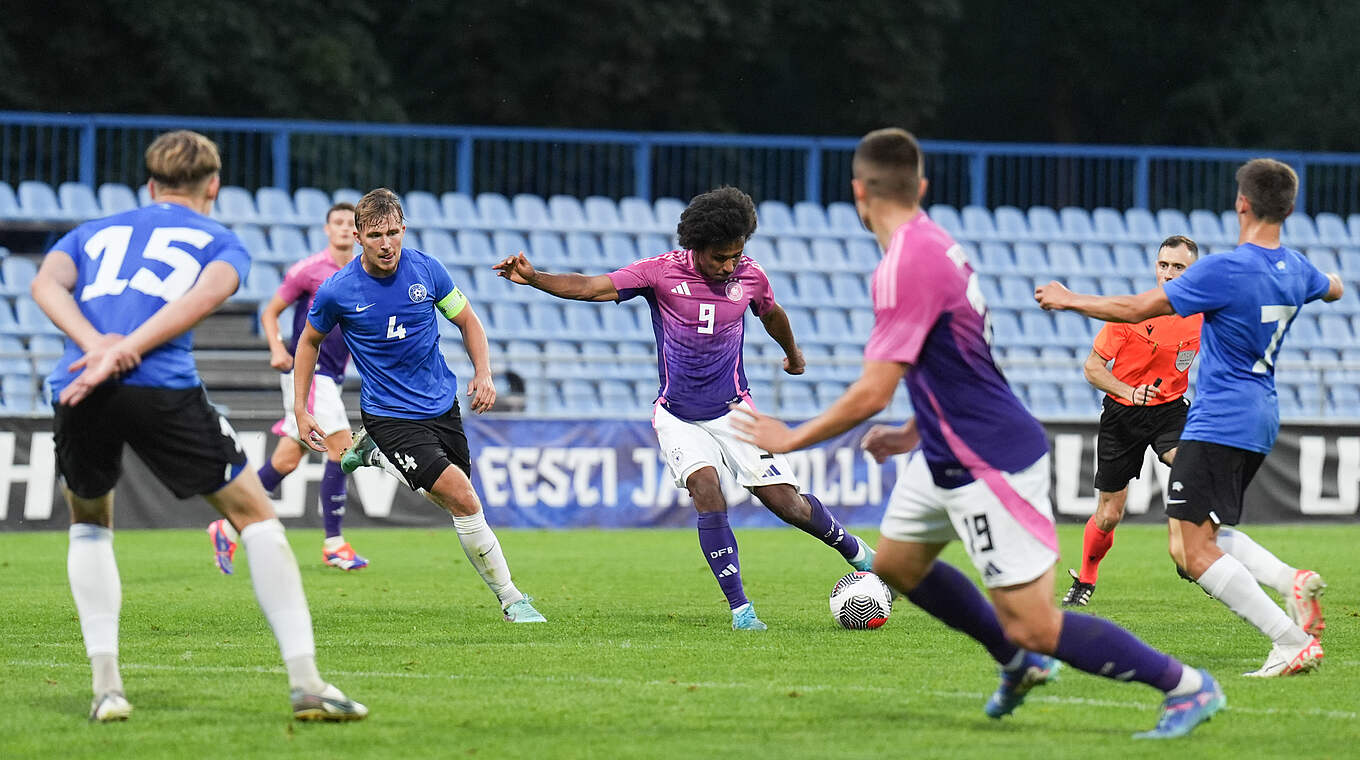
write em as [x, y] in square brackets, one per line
[900, 694]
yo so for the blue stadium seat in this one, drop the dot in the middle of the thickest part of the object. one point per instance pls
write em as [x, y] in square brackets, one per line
[1056, 364]
[1080, 398]
[810, 217]
[862, 254]
[1044, 400]
[1063, 259]
[1030, 259]
[422, 209]
[1017, 292]
[1044, 224]
[317, 239]
[235, 205]
[486, 285]
[1075, 330]
[781, 284]
[412, 239]
[544, 249]
[995, 258]
[1130, 260]
[1096, 259]
[1114, 285]
[1344, 399]
[619, 322]
[474, 249]
[18, 393]
[1230, 226]
[617, 396]
[115, 198]
[849, 359]
[582, 319]
[1335, 331]
[78, 201]
[1289, 401]
[1082, 284]
[37, 200]
[861, 323]
[796, 401]
[261, 282]
[1299, 231]
[459, 210]
[1109, 225]
[287, 244]
[566, 212]
[602, 214]
[1331, 230]
[637, 361]
[1324, 259]
[1005, 328]
[1037, 327]
[1076, 223]
[578, 397]
[144, 195]
[842, 217]
[793, 254]
[494, 210]
[828, 255]
[652, 244]
[508, 320]
[252, 237]
[311, 204]
[977, 223]
[439, 244]
[508, 243]
[1350, 261]
[531, 211]
[1303, 332]
[991, 290]
[1311, 401]
[275, 206]
[9, 204]
[800, 319]
[948, 218]
[583, 249]
[774, 218]
[1353, 224]
[637, 214]
[17, 273]
[833, 325]
[668, 212]
[46, 349]
[1010, 223]
[28, 317]
[1172, 221]
[1141, 226]
[849, 290]
[1205, 228]
[619, 250]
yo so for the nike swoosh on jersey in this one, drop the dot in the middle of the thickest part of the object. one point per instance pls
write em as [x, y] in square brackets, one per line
[367, 306]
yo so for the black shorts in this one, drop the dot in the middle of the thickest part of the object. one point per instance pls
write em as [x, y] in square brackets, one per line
[1208, 481]
[422, 449]
[180, 436]
[1127, 431]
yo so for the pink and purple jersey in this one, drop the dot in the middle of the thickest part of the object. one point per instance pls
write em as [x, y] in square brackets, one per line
[699, 326]
[929, 313]
[302, 279]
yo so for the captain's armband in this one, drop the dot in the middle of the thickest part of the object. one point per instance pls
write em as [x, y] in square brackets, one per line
[452, 304]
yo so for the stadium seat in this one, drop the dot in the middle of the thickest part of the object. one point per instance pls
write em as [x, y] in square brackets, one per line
[833, 325]
[144, 195]
[115, 198]
[1141, 226]
[311, 205]
[16, 274]
[861, 323]
[235, 205]
[1324, 259]
[1331, 230]
[637, 360]
[849, 290]
[287, 244]
[1109, 225]
[1005, 328]
[1010, 223]
[412, 239]
[618, 322]
[459, 210]
[1082, 284]
[1037, 327]
[45, 349]
[781, 285]
[439, 244]
[582, 319]
[37, 200]
[991, 290]
[18, 393]
[78, 201]
[616, 396]
[9, 204]
[1075, 330]
[602, 214]
[1130, 260]
[508, 320]
[1230, 226]
[1115, 285]
[1044, 224]
[1096, 259]
[252, 237]
[1017, 292]
[774, 218]
[796, 401]
[1080, 398]
[583, 250]
[1349, 259]
[1056, 364]
[619, 250]
[848, 359]
[1063, 260]
[1205, 229]
[544, 249]
[995, 258]
[1312, 403]
[494, 210]
[1044, 400]
[261, 282]
[30, 318]
[828, 392]
[793, 254]
[531, 211]
[828, 255]
[842, 217]
[1303, 332]
[474, 249]
[637, 215]
[1076, 223]
[578, 397]
[948, 218]
[862, 254]
[275, 206]
[1171, 221]
[1030, 260]
[508, 243]
[810, 217]
[316, 238]
[1335, 331]
[422, 209]
[1298, 231]
[1344, 399]
[652, 244]
[668, 212]
[486, 285]
[977, 223]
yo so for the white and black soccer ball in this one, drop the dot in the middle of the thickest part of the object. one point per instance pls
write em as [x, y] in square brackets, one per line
[861, 600]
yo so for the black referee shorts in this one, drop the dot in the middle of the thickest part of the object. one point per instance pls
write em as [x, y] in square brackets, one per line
[1208, 481]
[1127, 431]
[422, 449]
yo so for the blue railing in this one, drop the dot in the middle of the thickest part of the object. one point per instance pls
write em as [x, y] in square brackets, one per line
[98, 148]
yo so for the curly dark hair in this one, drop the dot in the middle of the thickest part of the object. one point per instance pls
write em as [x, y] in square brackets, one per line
[717, 218]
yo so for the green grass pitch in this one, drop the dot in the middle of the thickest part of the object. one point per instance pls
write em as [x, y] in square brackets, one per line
[638, 659]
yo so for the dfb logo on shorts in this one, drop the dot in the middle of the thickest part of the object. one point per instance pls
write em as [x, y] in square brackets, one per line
[417, 293]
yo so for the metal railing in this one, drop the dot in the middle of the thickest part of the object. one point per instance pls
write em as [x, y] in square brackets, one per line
[97, 148]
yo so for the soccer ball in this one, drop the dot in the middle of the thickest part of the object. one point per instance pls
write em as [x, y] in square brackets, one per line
[861, 600]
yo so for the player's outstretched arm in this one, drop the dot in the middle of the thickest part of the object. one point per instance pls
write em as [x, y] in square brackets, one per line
[304, 368]
[776, 323]
[577, 287]
[1336, 289]
[482, 388]
[867, 396]
[1134, 308]
[279, 358]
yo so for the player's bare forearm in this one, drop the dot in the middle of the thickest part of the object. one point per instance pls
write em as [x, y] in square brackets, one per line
[1335, 290]
[304, 364]
[867, 396]
[214, 286]
[269, 323]
[776, 323]
[1100, 376]
[52, 291]
[1128, 309]
[474, 340]
[576, 287]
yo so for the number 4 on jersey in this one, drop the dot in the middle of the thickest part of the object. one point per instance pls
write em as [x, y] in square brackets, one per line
[395, 330]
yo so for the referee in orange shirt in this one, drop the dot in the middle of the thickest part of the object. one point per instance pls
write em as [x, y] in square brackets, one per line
[1145, 406]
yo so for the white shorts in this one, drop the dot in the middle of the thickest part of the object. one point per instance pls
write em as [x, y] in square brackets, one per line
[1005, 519]
[324, 403]
[691, 446]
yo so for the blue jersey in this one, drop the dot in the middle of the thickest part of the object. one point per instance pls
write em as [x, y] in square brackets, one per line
[128, 266]
[1249, 297]
[391, 327]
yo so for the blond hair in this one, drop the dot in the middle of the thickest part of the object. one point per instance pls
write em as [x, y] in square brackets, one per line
[376, 206]
[182, 160]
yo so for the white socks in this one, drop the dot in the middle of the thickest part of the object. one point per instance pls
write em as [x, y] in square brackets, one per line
[1229, 581]
[278, 588]
[98, 593]
[484, 552]
[1191, 682]
[1265, 567]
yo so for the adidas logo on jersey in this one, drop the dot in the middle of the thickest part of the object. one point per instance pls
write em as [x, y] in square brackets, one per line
[729, 570]
[682, 289]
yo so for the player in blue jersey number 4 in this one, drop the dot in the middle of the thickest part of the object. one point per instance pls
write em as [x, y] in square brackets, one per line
[126, 290]
[1248, 297]
[387, 302]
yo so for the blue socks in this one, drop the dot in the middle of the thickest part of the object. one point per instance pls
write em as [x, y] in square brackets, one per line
[720, 549]
[824, 526]
[332, 498]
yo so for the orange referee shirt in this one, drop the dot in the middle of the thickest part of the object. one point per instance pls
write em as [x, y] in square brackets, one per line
[1162, 347]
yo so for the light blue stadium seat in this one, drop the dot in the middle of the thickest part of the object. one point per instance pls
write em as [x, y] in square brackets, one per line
[977, 223]
[317, 239]
[618, 321]
[459, 210]
[1142, 226]
[545, 249]
[252, 237]
[1096, 259]
[652, 244]
[261, 282]
[1005, 328]
[1353, 224]
[1171, 221]
[9, 204]
[583, 249]
[991, 289]
[1324, 259]
[1080, 398]
[1055, 363]
[948, 218]
[1044, 224]
[474, 249]
[619, 250]
[793, 254]
[422, 209]
[115, 198]
[439, 244]
[29, 317]
[1298, 231]
[275, 206]
[1335, 331]
[781, 284]
[995, 258]
[1076, 224]
[509, 320]
[861, 323]
[144, 195]
[1311, 400]
[1130, 260]
[774, 218]
[637, 361]
[311, 205]
[1010, 223]
[800, 319]
[636, 214]
[828, 255]
[1063, 259]
[531, 211]
[19, 393]
[1030, 259]
[1083, 284]
[37, 200]
[849, 358]
[1205, 228]
[849, 290]
[287, 244]
[1289, 401]
[78, 201]
[563, 360]
[235, 205]
[508, 243]
[1230, 226]
[1017, 292]
[1044, 400]
[582, 319]
[833, 325]
[566, 212]
[1037, 327]
[1303, 332]
[412, 239]
[1113, 285]
[579, 397]
[46, 349]
[827, 393]
[796, 401]
[1349, 259]
[601, 213]
[810, 217]
[862, 254]
[668, 212]
[616, 396]
[1074, 330]
[494, 210]
[486, 286]
[1109, 225]
[1331, 230]
[17, 273]
[1344, 399]
[842, 217]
